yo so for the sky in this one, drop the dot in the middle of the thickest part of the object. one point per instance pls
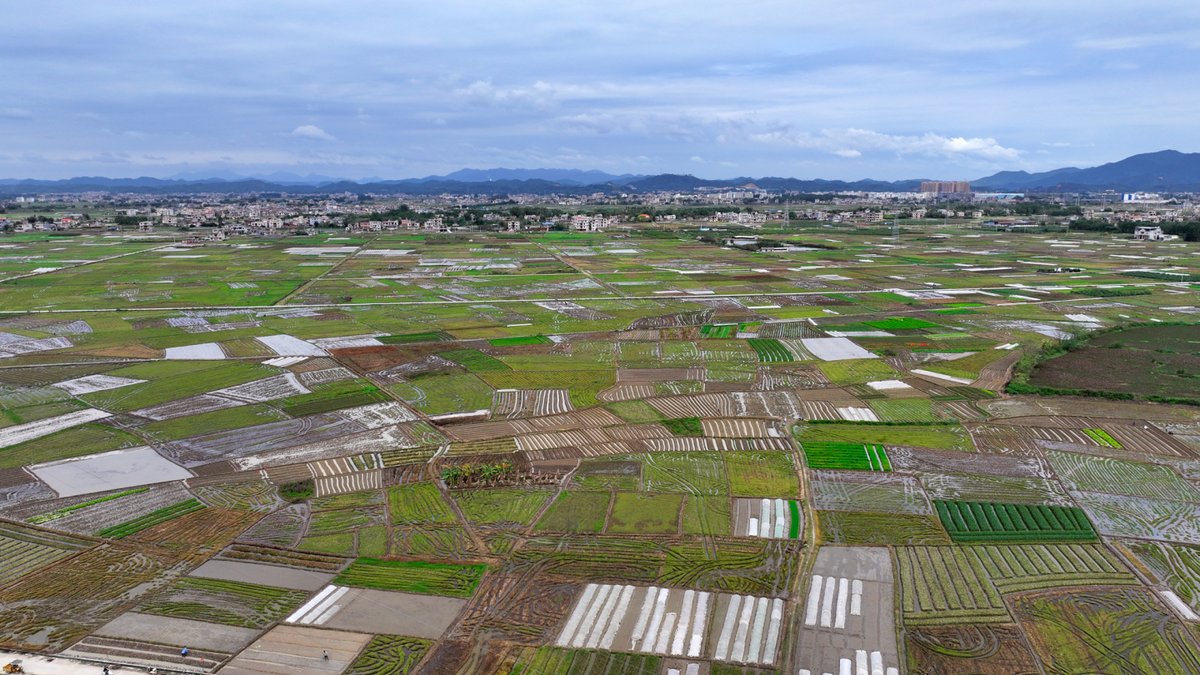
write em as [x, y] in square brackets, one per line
[843, 89]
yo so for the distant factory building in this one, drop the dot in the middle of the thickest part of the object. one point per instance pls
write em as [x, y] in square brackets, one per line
[941, 187]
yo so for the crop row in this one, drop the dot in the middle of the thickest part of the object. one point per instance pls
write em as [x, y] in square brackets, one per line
[986, 521]
[413, 576]
[285, 557]
[771, 351]
[22, 557]
[1102, 437]
[851, 456]
[390, 655]
[232, 603]
[151, 519]
[67, 510]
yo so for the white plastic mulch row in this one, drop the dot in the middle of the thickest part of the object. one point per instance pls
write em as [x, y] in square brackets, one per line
[347, 342]
[285, 361]
[286, 345]
[835, 349]
[378, 415]
[24, 345]
[831, 600]
[347, 483]
[266, 389]
[858, 414]
[320, 250]
[321, 608]
[768, 518]
[31, 430]
[940, 376]
[888, 385]
[863, 663]
[665, 621]
[205, 351]
[94, 383]
[749, 630]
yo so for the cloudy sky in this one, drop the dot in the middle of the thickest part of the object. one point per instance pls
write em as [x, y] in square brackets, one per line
[832, 89]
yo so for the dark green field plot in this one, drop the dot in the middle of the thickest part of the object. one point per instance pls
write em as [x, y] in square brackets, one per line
[852, 456]
[645, 513]
[82, 440]
[576, 512]
[151, 519]
[333, 396]
[771, 351]
[989, 522]
[901, 323]
[173, 380]
[520, 341]
[413, 576]
[1102, 437]
[474, 360]
[501, 506]
[414, 338]
[684, 426]
[721, 330]
[755, 474]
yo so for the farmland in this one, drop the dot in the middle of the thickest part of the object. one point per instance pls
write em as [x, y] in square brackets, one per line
[526, 452]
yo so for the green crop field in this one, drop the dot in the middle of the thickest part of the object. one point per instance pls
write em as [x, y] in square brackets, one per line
[501, 506]
[942, 436]
[151, 519]
[505, 416]
[576, 512]
[520, 341]
[853, 456]
[457, 581]
[771, 351]
[232, 603]
[418, 503]
[645, 514]
[989, 522]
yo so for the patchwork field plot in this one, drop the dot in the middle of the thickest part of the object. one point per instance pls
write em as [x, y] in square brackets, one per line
[1100, 474]
[151, 519]
[413, 576]
[1105, 630]
[879, 529]
[1121, 516]
[956, 585]
[28, 549]
[1176, 565]
[767, 518]
[368, 610]
[632, 451]
[389, 655]
[109, 471]
[222, 601]
[51, 608]
[836, 491]
[979, 648]
[847, 623]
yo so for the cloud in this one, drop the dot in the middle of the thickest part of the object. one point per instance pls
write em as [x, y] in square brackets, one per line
[855, 142]
[541, 94]
[312, 132]
[16, 114]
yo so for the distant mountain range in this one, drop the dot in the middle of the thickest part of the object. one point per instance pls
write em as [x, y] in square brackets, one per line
[1165, 171]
